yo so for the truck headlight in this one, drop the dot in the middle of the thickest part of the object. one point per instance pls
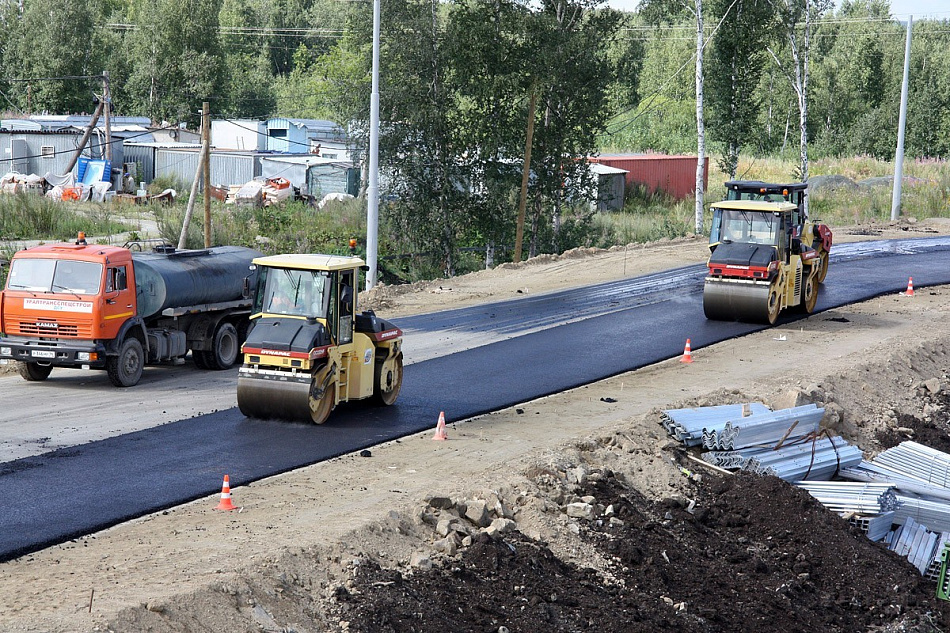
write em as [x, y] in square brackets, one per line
[85, 356]
[6, 351]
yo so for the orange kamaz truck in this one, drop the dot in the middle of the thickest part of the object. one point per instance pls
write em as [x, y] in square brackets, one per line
[88, 306]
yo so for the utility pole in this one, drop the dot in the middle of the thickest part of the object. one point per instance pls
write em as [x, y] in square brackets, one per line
[85, 137]
[206, 149]
[899, 158]
[525, 172]
[107, 111]
[372, 191]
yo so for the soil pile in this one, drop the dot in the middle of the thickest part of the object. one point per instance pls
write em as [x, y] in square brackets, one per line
[742, 553]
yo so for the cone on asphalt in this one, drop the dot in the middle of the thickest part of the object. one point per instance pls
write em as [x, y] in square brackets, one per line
[225, 503]
[910, 288]
[687, 354]
[440, 428]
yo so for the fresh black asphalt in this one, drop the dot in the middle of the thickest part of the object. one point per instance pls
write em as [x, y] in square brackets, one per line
[620, 326]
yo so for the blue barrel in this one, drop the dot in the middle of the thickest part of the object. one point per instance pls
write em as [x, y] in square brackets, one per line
[190, 277]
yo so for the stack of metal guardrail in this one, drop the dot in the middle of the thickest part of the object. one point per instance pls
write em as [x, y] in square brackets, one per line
[868, 506]
[764, 429]
[749, 436]
[814, 459]
[852, 497]
[918, 544]
[921, 476]
[687, 425]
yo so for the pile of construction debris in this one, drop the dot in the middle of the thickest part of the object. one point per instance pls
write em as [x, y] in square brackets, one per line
[260, 192]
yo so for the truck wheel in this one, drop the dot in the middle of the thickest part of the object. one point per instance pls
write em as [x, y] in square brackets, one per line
[387, 381]
[200, 358]
[34, 372]
[225, 348]
[125, 369]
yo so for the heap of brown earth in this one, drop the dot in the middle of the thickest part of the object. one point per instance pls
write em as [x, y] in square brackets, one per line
[743, 553]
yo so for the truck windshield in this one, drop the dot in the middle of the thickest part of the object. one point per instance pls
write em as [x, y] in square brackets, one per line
[296, 292]
[55, 275]
[748, 227]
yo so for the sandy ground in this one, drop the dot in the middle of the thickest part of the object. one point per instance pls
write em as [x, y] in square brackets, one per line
[194, 568]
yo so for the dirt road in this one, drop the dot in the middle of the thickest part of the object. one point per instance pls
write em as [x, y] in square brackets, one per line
[294, 557]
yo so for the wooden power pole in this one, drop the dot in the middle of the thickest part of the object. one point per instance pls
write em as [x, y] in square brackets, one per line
[206, 148]
[107, 112]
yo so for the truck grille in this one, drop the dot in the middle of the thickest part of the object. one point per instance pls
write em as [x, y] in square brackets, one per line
[46, 329]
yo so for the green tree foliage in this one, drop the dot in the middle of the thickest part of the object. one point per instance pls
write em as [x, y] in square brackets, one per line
[574, 79]
[733, 71]
[489, 46]
[248, 88]
[53, 38]
[419, 145]
[177, 61]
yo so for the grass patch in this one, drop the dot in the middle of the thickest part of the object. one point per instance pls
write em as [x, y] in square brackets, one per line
[292, 227]
[25, 216]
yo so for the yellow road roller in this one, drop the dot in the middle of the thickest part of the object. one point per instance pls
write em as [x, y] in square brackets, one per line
[764, 254]
[307, 349]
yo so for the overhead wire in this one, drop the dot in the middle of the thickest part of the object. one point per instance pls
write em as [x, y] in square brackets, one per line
[655, 95]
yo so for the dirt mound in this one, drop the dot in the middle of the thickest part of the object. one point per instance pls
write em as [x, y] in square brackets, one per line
[719, 561]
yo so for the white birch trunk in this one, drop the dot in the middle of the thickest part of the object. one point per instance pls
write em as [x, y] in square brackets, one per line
[700, 124]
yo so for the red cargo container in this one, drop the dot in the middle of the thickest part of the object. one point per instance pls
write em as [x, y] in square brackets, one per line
[676, 175]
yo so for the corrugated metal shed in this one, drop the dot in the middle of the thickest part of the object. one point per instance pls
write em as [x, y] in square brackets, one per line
[314, 176]
[227, 168]
[302, 135]
[610, 187]
[242, 134]
[284, 135]
[37, 152]
[29, 150]
[52, 122]
[676, 175]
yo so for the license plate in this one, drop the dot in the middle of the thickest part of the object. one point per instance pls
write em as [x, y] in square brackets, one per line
[37, 353]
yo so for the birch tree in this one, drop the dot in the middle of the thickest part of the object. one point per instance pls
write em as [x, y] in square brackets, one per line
[734, 70]
[796, 19]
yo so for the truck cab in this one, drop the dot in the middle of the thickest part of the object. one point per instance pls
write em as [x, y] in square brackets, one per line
[62, 303]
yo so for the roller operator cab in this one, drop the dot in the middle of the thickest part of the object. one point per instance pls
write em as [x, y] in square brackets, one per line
[765, 256]
[308, 349]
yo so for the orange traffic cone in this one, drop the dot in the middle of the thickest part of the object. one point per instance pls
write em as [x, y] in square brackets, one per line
[226, 496]
[687, 354]
[440, 428]
[910, 288]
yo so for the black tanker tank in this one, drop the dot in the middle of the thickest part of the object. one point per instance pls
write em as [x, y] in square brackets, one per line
[176, 278]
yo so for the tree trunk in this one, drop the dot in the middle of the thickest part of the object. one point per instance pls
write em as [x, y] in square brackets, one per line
[700, 124]
[804, 103]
